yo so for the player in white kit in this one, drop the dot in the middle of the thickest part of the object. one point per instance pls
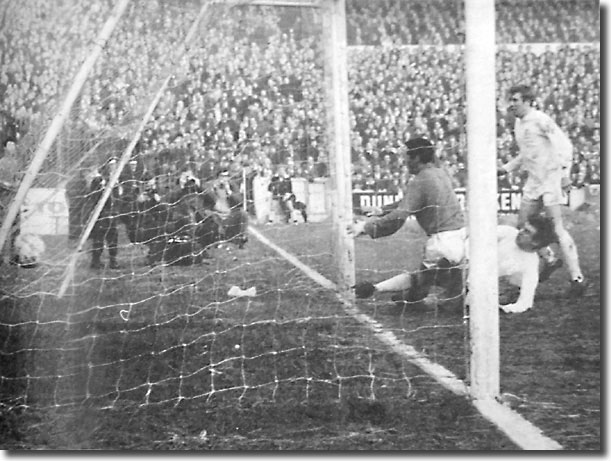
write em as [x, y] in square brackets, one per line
[546, 154]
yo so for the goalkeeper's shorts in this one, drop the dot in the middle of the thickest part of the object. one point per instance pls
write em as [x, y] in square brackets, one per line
[451, 245]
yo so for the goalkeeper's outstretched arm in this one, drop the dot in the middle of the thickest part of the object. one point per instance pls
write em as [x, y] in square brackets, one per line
[386, 225]
[385, 209]
[379, 226]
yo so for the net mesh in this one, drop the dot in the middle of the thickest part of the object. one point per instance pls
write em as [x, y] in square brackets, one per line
[180, 331]
[160, 330]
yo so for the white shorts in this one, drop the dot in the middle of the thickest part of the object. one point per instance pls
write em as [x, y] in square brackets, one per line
[550, 191]
[451, 245]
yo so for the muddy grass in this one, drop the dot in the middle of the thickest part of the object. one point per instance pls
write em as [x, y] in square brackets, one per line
[162, 358]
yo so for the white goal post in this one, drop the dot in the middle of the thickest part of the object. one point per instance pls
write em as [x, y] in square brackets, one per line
[481, 198]
[338, 114]
[480, 80]
[335, 45]
[481, 131]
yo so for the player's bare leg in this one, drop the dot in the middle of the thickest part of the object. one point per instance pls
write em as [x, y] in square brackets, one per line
[569, 250]
[408, 286]
[551, 262]
[399, 282]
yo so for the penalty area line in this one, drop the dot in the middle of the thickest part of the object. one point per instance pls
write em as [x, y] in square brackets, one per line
[521, 431]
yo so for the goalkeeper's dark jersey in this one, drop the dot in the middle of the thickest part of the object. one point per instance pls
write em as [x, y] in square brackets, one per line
[431, 199]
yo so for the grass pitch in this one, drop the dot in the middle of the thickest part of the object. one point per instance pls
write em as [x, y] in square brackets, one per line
[163, 358]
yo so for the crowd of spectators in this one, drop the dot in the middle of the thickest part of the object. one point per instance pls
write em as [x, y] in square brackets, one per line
[442, 22]
[252, 96]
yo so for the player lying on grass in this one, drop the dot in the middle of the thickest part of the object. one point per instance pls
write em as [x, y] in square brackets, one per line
[517, 258]
[546, 154]
[431, 199]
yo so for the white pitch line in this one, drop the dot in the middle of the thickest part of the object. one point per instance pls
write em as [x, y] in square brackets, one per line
[521, 431]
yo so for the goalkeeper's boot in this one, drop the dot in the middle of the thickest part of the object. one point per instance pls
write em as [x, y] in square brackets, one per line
[549, 268]
[114, 264]
[364, 289]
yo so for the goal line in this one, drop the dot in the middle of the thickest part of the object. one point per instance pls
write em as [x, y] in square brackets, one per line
[522, 432]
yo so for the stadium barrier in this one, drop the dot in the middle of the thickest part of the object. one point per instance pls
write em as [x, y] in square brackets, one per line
[508, 200]
[316, 196]
[45, 210]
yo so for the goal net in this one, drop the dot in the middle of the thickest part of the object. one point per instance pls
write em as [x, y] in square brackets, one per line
[191, 321]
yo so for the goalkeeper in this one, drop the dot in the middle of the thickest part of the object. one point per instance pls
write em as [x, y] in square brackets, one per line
[431, 199]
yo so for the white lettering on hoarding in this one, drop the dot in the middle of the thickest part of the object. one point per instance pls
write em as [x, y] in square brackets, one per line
[44, 212]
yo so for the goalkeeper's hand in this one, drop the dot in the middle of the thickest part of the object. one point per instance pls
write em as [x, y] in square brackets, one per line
[374, 211]
[356, 228]
[364, 289]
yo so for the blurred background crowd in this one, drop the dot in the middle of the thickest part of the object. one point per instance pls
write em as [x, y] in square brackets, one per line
[251, 95]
